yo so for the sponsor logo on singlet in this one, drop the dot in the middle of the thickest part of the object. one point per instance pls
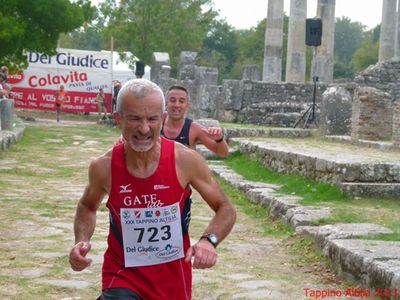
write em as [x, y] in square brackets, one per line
[125, 189]
[168, 252]
[160, 187]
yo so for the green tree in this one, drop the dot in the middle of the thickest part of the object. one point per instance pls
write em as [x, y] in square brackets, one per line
[368, 53]
[251, 47]
[220, 48]
[146, 26]
[348, 38]
[87, 37]
[35, 25]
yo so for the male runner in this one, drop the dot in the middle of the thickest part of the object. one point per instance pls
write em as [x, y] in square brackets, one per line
[148, 180]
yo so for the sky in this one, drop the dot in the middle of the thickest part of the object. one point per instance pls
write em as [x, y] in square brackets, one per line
[246, 14]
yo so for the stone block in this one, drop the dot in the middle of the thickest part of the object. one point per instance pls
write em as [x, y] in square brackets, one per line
[206, 75]
[396, 123]
[233, 93]
[335, 111]
[371, 115]
[304, 215]
[322, 234]
[251, 72]
[205, 104]
[6, 114]
[159, 59]
[374, 264]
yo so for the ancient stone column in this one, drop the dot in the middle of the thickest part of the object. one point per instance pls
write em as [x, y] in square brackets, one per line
[388, 30]
[324, 60]
[296, 50]
[397, 34]
[273, 42]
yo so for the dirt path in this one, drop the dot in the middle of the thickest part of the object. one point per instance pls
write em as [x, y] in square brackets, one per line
[41, 180]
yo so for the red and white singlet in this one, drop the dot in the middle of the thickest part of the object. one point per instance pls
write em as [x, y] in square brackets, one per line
[148, 237]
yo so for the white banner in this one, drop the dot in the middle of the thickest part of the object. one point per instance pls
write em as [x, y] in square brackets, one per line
[82, 73]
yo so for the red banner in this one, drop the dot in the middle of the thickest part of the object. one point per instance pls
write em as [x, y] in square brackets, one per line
[82, 73]
[45, 100]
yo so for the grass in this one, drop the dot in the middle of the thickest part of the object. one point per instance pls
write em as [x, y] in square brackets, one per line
[385, 212]
[269, 227]
[311, 191]
[302, 250]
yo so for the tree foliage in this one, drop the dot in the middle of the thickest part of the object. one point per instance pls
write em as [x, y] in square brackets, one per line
[368, 53]
[172, 26]
[88, 38]
[35, 25]
[348, 38]
[147, 26]
[220, 48]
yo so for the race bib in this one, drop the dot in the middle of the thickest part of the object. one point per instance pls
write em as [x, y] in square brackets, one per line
[151, 236]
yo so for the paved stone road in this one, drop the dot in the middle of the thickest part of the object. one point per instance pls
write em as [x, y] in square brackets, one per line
[38, 196]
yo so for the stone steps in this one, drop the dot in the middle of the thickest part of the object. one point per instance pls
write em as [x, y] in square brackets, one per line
[373, 264]
[354, 173]
[13, 135]
[371, 189]
[279, 119]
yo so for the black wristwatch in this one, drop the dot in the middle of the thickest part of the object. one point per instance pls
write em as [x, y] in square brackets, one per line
[212, 238]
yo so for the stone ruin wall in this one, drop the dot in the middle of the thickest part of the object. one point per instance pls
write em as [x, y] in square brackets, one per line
[396, 124]
[378, 102]
[248, 101]
[345, 107]
[274, 104]
[371, 115]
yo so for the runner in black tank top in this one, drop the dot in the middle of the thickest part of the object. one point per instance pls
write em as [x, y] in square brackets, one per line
[183, 136]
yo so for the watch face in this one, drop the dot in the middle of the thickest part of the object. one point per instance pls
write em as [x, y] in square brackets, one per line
[213, 239]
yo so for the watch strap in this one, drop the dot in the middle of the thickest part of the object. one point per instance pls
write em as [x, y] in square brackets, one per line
[212, 238]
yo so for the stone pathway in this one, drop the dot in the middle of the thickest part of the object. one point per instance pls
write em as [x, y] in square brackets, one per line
[41, 183]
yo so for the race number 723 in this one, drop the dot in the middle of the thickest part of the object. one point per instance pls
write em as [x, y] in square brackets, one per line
[154, 234]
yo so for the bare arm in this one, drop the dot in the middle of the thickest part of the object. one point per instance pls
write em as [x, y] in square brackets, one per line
[225, 214]
[193, 170]
[209, 137]
[85, 218]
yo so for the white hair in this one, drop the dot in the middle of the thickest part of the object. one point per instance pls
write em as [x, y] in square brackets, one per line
[138, 88]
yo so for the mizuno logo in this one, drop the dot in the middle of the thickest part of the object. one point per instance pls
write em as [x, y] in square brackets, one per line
[160, 187]
[125, 189]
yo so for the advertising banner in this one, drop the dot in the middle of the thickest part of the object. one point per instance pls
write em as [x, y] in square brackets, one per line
[82, 73]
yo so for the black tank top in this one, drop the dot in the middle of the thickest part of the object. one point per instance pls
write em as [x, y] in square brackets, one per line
[183, 136]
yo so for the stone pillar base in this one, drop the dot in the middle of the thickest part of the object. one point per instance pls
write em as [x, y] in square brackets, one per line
[371, 115]
[6, 114]
[396, 124]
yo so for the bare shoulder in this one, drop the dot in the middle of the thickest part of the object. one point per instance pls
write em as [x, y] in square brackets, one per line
[100, 169]
[186, 155]
[197, 127]
[102, 159]
[199, 132]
